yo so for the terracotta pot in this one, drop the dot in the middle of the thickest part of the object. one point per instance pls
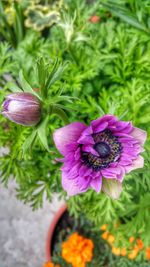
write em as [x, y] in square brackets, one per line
[51, 231]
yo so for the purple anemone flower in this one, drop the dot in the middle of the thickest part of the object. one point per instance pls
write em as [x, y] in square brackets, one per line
[98, 156]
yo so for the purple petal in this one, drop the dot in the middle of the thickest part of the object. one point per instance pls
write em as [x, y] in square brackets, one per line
[139, 135]
[73, 172]
[5, 105]
[77, 154]
[70, 186]
[25, 97]
[96, 184]
[24, 119]
[111, 172]
[83, 182]
[112, 188]
[90, 149]
[136, 164]
[133, 151]
[86, 136]
[86, 140]
[67, 135]
[100, 127]
[84, 171]
[106, 118]
[121, 175]
[122, 126]
[116, 172]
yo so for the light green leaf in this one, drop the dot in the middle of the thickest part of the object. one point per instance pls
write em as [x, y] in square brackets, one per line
[26, 86]
[124, 14]
[41, 130]
[55, 74]
[29, 141]
[42, 73]
[13, 87]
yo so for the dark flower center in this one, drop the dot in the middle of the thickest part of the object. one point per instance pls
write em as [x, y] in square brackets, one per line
[102, 149]
[108, 148]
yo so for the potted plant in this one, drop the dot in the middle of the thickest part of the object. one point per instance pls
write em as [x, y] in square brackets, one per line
[81, 133]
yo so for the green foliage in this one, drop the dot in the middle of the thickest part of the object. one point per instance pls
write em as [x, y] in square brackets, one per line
[13, 33]
[136, 13]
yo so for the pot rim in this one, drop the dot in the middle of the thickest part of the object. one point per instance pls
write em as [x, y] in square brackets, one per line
[51, 230]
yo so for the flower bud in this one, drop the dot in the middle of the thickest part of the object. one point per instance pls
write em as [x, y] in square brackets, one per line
[22, 108]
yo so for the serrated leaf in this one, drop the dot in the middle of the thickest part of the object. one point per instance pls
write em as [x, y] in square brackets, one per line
[42, 133]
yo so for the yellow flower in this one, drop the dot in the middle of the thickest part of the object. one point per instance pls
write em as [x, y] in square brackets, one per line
[105, 235]
[123, 252]
[116, 251]
[110, 239]
[132, 255]
[148, 253]
[136, 248]
[131, 239]
[104, 227]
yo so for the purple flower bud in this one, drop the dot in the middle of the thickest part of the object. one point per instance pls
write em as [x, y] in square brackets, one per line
[22, 108]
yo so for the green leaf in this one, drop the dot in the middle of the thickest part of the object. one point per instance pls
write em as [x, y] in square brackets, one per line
[55, 74]
[13, 87]
[60, 113]
[26, 86]
[124, 14]
[29, 141]
[18, 24]
[42, 73]
[42, 133]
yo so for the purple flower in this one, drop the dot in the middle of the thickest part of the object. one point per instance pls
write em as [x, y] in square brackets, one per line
[22, 108]
[98, 156]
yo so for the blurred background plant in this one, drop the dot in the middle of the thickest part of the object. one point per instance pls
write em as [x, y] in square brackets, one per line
[108, 71]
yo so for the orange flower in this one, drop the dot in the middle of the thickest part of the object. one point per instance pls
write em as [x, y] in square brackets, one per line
[116, 251]
[94, 19]
[148, 253]
[77, 250]
[110, 239]
[104, 227]
[132, 255]
[131, 239]
[105, 235]
[50, 264]
[136, 248]
[140, 244]
[123, 252]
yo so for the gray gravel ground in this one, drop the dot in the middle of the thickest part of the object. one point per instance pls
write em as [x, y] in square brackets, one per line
[22, 231]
